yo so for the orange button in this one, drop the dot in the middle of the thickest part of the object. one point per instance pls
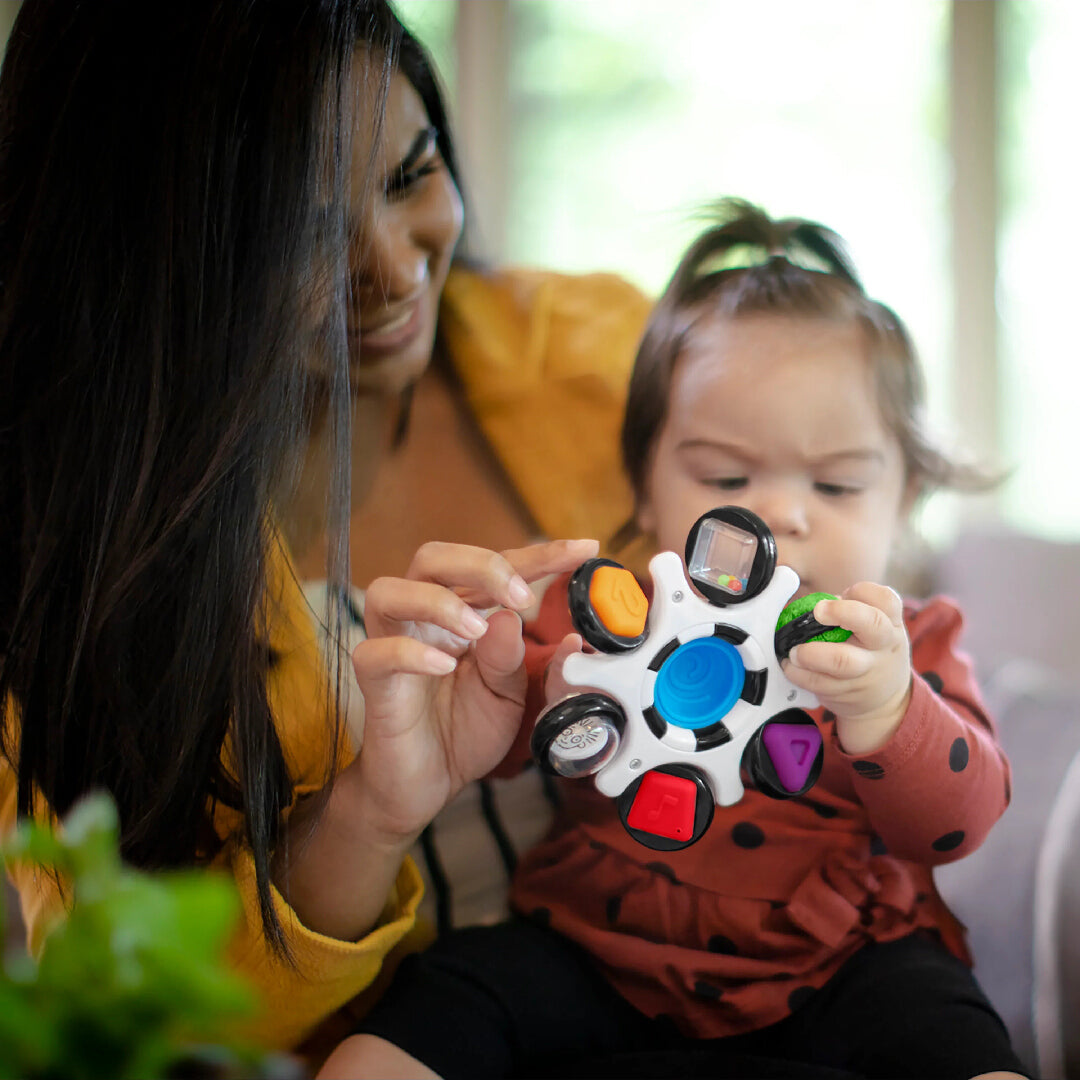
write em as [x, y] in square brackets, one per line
[618, 601]
[664, 806]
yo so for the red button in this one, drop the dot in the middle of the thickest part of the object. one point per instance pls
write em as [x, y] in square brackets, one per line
[664, 806]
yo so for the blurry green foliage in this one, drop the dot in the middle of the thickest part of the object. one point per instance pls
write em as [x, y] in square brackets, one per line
[132, 982]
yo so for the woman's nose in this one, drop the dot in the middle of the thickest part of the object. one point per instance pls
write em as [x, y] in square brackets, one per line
[389, 260]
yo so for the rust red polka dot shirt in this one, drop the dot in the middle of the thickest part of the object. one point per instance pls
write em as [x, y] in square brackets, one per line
[727, 935]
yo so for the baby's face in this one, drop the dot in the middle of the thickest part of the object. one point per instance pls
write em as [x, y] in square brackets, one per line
[780, 415]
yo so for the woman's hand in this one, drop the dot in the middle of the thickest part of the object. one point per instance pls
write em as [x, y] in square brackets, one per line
[443, 684]
[866, 680]
[444, 689]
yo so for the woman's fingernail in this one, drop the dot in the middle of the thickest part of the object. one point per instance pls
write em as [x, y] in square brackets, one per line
[473, 624]
[440, 662]
[520, 593]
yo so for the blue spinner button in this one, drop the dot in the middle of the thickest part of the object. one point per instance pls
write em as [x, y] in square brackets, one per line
[699, 683]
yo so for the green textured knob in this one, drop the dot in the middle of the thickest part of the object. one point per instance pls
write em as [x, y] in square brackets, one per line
[804, 605]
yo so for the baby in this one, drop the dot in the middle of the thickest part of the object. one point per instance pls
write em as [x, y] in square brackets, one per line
[801, 937]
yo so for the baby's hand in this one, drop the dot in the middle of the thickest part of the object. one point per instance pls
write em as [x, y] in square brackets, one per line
[866, 680]
[555, 686]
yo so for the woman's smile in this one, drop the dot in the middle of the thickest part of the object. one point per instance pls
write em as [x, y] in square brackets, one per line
[388, 332]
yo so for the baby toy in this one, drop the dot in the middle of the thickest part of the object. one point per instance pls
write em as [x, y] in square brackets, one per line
[686, 691]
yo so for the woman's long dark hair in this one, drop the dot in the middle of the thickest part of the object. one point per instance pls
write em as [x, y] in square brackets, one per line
[165, 176]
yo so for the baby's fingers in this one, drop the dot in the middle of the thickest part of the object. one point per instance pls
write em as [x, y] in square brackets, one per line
[873, 613]
[829, 659]
[555, 686]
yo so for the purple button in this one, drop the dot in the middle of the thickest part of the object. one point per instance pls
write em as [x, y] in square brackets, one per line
[792, 749]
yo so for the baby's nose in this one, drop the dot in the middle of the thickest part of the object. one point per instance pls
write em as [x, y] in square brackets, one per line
[783, 510]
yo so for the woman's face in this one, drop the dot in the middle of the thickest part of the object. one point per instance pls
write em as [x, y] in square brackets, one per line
[405, 219]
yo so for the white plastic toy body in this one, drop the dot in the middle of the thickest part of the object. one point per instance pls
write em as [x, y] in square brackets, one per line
[687, 690]
[679, 614]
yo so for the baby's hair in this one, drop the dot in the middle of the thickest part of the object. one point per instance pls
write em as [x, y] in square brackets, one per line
[746, 263]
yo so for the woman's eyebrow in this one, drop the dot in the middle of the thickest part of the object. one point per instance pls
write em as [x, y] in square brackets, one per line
[421, 141]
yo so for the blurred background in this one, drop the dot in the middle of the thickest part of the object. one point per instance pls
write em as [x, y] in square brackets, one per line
[935, 136]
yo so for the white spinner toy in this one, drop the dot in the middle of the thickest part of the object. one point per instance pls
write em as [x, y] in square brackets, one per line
[674, 709]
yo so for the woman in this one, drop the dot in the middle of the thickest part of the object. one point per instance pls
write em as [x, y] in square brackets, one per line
[178, 198]
[509, 433]
[494, 400]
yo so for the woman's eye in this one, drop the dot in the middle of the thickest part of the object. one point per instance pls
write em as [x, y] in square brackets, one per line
[728, 483]
[421, 160]
[402, 182]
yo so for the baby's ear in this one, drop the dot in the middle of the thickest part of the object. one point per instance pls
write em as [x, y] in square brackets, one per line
[912, 490]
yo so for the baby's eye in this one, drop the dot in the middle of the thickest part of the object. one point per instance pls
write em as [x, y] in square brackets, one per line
[727, 483]
[834, 490]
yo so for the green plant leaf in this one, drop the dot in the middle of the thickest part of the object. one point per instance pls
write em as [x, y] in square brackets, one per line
[134, 978]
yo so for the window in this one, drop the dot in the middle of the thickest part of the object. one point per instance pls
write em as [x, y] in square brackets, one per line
[617, 120]
[1038, 250]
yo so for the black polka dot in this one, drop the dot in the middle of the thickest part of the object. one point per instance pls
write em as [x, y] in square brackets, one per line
[921, 898]
[866, 917]
[934, 681]
[871, 770]
[949, 841]
[541, 916]
[663, 870]
[597, 846]
[958, 755]
[828, 717]
[799, 997]
[747, 835]
[776, 905]
[720, 944]
[707, 990]
[613, 906]
[667, 1023]
[877, 846]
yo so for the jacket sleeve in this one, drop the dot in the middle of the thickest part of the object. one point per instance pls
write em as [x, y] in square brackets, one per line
[324, 973]
[935, 789]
